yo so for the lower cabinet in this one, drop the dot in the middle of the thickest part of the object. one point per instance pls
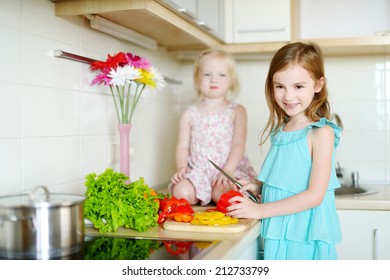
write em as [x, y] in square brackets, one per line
[365, 235]
[252, 252]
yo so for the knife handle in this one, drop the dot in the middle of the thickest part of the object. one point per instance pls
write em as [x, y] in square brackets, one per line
[252, 196]
[249, 193]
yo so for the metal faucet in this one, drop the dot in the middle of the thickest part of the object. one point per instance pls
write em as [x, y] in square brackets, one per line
[339, 171]
[355, 179]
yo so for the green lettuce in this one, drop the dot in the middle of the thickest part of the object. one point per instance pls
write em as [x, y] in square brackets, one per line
[111, 203]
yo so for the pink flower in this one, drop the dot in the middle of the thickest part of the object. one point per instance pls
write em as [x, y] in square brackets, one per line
[138, 62]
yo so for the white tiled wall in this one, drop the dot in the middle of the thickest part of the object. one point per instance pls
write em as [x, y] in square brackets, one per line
[55, 128]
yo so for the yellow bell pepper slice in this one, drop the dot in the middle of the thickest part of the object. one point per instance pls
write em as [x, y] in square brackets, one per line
[214, 218]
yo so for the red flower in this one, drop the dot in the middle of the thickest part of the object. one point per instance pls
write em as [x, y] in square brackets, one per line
[120, 59]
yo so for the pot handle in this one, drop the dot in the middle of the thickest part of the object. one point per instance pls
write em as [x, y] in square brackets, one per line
[46, 192]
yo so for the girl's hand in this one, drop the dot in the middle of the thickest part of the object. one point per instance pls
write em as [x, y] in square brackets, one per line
[179, 175]
[243, 207]
[221, 181]
[254, 187]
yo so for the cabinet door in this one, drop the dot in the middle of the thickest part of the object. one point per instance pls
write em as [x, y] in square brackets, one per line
[211, 13]
[343, 19]
[366, 235]
[261, 21]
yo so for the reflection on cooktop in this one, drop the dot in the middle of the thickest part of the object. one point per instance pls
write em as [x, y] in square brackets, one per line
[120, 248]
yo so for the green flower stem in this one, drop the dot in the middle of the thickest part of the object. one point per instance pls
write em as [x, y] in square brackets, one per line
[116, 106]
[137, 96]
[127, 120]
[122, 101]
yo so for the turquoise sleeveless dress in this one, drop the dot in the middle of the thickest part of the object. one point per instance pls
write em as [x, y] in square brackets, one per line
[313, 233]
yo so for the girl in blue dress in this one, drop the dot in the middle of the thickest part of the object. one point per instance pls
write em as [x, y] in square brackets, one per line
[298, 178]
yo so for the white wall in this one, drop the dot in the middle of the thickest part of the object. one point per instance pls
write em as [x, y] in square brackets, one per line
[55, 128]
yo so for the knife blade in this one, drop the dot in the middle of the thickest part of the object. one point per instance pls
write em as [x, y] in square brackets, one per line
[231, 179]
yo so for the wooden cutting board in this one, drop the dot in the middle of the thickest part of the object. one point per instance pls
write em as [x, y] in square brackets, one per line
[242, 225]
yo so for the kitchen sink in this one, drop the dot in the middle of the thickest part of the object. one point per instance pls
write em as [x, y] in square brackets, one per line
[354, 190]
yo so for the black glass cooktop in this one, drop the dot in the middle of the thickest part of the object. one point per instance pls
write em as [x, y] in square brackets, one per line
[121, 248]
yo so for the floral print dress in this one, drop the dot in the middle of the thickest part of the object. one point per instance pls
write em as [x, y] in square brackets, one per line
[211, 138]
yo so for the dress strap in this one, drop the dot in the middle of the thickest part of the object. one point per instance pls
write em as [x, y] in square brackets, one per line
[281, 137]
[337, 130]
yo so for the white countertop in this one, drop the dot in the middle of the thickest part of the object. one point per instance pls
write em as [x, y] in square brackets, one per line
[378, 200]
[230, 245]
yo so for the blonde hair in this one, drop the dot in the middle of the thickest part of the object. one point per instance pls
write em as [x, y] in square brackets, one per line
[228, 58]
[309, 56]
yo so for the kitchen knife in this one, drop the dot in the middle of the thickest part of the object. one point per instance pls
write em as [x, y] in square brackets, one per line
[250, 194]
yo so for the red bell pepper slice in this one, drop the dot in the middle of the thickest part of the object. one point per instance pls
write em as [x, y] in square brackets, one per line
[174, 208]
[223, 201]
[177, 247]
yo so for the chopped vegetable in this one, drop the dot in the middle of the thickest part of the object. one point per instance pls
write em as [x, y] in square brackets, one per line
[212, 218]
[223, 201]
[178, 209]
[180, 217]
[205, 244]
[177, 247]
[112, 203]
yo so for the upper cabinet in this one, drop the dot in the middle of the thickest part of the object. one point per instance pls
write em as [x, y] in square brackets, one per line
[212, 15]
[345, 27]
[208, 15]
[254, 21]
[147, 17]
[343, 19]
[247, 26]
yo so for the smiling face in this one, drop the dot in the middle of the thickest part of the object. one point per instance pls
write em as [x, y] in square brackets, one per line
[214, 77]
[294, 90]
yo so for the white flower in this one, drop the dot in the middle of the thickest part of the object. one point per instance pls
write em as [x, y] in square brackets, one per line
[123, 75]
[157, 78]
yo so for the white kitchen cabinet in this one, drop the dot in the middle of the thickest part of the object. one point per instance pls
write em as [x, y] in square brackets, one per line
[211, 13]
[254, 21]
[248, 26]
[365, 235]
[343, 19]
[207, 14]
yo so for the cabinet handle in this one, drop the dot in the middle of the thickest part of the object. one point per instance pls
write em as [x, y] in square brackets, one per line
[204, 25]
[263, 30]
[376, 243]
[186, 12]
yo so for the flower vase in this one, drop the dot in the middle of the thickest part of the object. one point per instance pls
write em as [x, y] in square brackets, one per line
[124, 145]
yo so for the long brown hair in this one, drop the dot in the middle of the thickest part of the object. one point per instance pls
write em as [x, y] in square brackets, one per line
[309, 56]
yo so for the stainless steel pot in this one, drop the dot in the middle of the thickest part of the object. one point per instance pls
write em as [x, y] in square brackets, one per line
[41, 225]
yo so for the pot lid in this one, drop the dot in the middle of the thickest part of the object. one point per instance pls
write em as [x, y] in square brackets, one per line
[40, 197]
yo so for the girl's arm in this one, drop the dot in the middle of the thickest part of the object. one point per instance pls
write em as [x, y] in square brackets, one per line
[183, 146]
[237, 148]
[321, 142]
[239, 139]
